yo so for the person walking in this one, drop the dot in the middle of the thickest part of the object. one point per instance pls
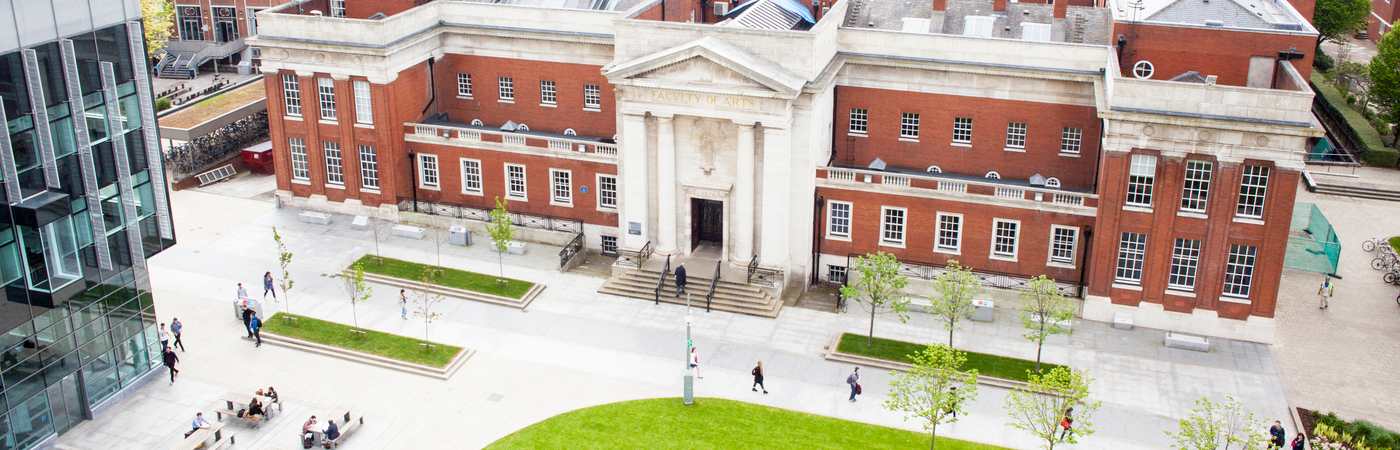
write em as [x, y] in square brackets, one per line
[169, 359]
[695, 362]
[254, 325]
[164, 338]
[1066, 422]
[953, 406]
[757, 373]
[267, 286]
[176, 327]
[242, 291]
[680, 280]
[403, 304]
[1324, 292]
[853, 380]
[248, 318]
[1277, 435]
[1299, 442]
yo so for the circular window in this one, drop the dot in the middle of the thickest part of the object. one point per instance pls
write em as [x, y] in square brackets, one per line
[934, 169]
[993, 175]
[478, 122]
[1052, 182]
[522, 127]
[1143, 69]
[570, 132]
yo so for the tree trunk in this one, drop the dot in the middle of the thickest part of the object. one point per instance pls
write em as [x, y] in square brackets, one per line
[355, 313]
[870, 339]
[1039, 345]
[951, 324]
[933, 442]
[501, 261]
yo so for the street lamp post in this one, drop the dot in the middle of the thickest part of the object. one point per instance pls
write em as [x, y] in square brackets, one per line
[688, 396]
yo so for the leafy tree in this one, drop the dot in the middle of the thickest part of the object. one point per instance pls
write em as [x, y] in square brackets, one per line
[358, 289]
[878, 285]
[158, 20]
[1337, 19]
[935, 390]
[1039, 408]
[1385, 77]
[1219, 426]
[501, 233]
[955, 287]
[425, 301]
[1044, 313]
[284, 260]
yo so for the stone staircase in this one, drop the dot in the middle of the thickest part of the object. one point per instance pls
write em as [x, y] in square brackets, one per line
[1351, 188]
[731, 296]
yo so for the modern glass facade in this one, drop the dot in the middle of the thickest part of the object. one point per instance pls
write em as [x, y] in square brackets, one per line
[85, 205]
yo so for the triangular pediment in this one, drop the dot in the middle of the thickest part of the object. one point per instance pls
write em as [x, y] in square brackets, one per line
[711, 64]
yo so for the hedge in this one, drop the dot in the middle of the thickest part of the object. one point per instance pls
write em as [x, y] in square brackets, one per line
[1360, 129]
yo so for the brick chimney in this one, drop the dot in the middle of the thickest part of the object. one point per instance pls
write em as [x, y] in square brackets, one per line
[1061, 6]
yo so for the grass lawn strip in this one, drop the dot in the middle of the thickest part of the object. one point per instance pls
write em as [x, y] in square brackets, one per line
[1002, 367]
[448, 277]
[376, 343]
[664, 423]
[1395, 243]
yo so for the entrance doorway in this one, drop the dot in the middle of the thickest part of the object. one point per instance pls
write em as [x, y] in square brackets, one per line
[225, 24]
[191, 24]
[706, 222]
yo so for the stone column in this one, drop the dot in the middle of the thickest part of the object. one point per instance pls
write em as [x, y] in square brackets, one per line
[743, 195]
[634, 202]
[776, 168]
[666, 185]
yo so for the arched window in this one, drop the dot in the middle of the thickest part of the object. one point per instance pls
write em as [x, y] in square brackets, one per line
[478, 123]
[1143, 69]
[993, 175]
[1052, 182]
[570, 132]
[522, 127]
[934, 169]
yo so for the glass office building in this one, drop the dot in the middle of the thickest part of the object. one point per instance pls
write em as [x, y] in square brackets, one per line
[85, 206]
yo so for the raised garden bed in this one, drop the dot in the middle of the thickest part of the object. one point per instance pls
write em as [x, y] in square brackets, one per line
[376, 343]
[446, 277]
[988, 366]
[1377, 438]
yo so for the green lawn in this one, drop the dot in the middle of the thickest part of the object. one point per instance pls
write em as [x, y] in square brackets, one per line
[892, 350]
[1395, 243]
[711, 423]
[377, 343]
[449, 277]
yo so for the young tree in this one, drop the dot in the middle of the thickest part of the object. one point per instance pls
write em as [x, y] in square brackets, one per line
[1385, 77]
[284, 260]
[501, 233]
[359, 290]
[879, 286]
[425, 303]
[1338, 19]
[1219, 426]
[158, 19]
[1044, 313]
[955, 288]
[1041, 407]
[935, 390]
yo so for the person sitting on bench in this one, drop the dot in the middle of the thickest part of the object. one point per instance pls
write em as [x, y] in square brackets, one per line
[197, 423]
[271, 393]
[255, 408]
[332, 431]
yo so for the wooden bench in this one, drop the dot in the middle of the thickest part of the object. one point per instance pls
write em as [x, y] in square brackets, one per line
[1123, 320]
[315, 217]
[210, 437]
[349, 425]
[1187, 341]
[409, 231]
[231, 408]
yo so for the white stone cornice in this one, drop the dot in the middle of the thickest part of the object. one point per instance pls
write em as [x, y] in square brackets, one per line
[339, 76]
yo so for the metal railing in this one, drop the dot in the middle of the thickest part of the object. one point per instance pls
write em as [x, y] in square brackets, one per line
[640, 256]
[753, 267]
[573, 248]
[661, 282]
[710, 297]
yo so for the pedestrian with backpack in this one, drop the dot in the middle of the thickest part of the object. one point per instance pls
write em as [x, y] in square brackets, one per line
[854, 381]
[757, 373]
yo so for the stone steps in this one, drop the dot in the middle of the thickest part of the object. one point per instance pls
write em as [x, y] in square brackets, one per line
[729, 296]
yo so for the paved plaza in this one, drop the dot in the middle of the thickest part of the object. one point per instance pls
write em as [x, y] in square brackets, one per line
[574, 348]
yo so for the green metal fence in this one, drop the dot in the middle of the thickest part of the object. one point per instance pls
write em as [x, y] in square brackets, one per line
[1313, 244]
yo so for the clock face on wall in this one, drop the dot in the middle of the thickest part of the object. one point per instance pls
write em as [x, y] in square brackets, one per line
[223, 12]
[189, 11]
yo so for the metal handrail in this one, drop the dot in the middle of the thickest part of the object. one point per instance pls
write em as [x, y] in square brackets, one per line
[661, 282]
[574, 247]
[753, 267]
[713, 282]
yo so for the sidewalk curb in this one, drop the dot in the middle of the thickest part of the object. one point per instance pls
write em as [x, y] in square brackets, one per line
[373, 360]
[834, 355]
[461, 294]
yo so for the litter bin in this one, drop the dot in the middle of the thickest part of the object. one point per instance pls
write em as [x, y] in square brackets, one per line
[983, 310]
[458, 235]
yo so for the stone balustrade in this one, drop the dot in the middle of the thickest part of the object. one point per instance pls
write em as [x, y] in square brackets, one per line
[945, 186]
[534, 142]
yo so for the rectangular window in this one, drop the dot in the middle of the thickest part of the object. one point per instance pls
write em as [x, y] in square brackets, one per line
[464, 85]
[325, 88]
[1070, 140]
[1186, 255]
[892, 226]
[561, 184]
[369, 168]
[428, 171]
[505, 89]
[836, 274]
[364, 109]
[909, 125]
[608, 244]
[335, 173]
[1016, 135]
[860, 121]
[962, 130]
[1195, 190]
[1142, 173]
[1252, 188]
[515, 182]
[1005, 234]
[607, 191]
[838, 220]
[1239, 270]
[1063, 243]
[1132, 248]
[301, 166]
[337, 8]
[471, 176]
[949, 233]
[548, 95]
[291, 95]
[592, 97]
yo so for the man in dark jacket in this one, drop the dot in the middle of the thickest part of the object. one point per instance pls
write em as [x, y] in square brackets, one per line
[248, 318]
[332, 431]
[1277, 436]
[254, 325]
[169, 359]
[680, 280]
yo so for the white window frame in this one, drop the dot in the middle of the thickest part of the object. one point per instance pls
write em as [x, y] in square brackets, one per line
[1071, 140]
[364, 106]
[859, 123]
[561, 187]
[962, 131]
[335, 163]
[473, 180]
[889, 229]
[1239, 271]
[291, 95]
[1185, 266]
[549, 93]
[301, 162]
[1063, 251]
[1142, 178]
[325, 94]
[909, 126]
[337, 8]
[997, 237]
[429, 176]
[369, 168]
[948, 227]
[505, 89]
[464, 85]
[1016, 135]
[607, 196]
[523, 194]
[1132, 256]
[1254, 188]
[839, 228]
[592, 97]
[1195, 186]
[1143, 69]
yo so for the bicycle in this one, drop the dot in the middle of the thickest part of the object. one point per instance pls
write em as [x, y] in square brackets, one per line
[1370, 245]
[1384, 261]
